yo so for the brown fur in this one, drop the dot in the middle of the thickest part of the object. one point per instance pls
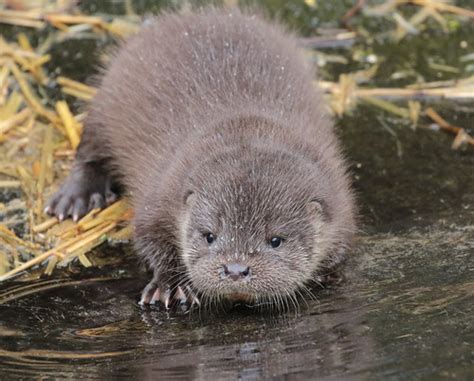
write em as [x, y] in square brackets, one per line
[211, 122]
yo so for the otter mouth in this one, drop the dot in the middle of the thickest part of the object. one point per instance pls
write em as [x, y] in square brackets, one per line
[239, 297]
[237, 300]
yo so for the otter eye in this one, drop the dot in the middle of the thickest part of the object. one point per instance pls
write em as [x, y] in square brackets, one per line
[276, 241]
[209, 238]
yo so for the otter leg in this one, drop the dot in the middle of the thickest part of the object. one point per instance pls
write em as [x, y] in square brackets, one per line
[87, 187]
[90, 184]
[159, 290]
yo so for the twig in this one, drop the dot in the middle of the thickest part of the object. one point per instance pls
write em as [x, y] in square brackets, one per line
[67, 247]
[459, 93]
[30, 263]
[46, 164]
[73, 19]
[461, 135]
[352, 12]
[341, 40]
[45, 225]
[69, 123]
[387, 106]
[10, 184]
[34, 103]
[15, 120]
[440, 6]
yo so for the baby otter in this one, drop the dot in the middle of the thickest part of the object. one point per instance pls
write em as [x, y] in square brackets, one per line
[211, 123]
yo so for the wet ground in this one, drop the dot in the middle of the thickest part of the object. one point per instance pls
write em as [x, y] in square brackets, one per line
[402, 311]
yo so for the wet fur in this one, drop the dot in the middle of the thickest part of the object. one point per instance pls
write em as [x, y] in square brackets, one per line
[216, 112]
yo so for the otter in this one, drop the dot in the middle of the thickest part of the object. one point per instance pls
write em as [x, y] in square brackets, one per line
[210, 122]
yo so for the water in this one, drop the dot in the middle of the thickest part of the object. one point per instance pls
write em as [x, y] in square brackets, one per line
[402, 309]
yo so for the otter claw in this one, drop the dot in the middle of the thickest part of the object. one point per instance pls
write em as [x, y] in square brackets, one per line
[155, 297]
[192, 296]
[154, 294]
[148, 293]
[166, 298]
[180, 295]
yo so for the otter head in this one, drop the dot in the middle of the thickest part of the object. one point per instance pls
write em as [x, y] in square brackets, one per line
[258, 229]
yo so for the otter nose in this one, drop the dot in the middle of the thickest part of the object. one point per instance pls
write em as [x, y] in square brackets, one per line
[235, 271]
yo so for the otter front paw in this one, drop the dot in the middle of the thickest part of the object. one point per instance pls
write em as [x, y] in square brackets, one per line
[84, 190]
[180, 295]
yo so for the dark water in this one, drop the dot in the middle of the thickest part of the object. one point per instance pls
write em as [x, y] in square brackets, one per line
[403, 310]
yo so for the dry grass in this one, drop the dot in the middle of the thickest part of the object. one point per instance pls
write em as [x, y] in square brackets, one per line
[38, 139]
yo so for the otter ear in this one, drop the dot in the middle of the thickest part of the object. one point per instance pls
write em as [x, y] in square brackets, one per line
[318, 208]
[189, 198]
